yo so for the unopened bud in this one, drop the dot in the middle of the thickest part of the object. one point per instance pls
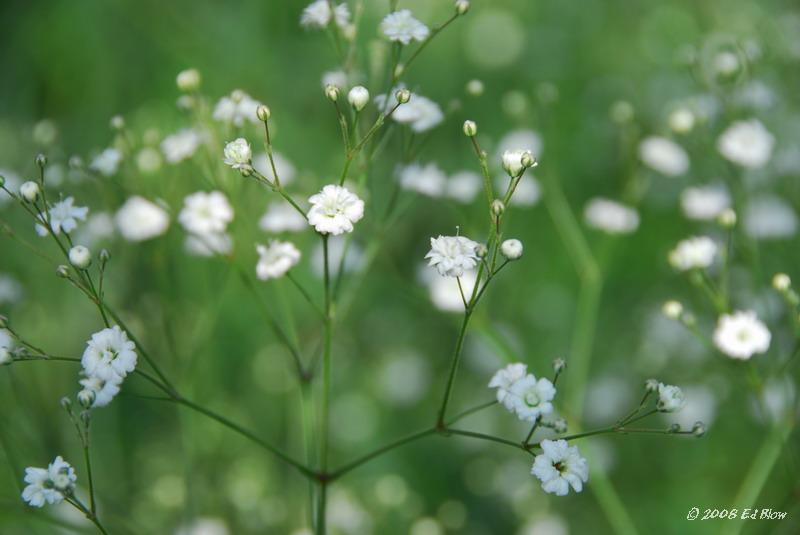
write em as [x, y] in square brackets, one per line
[462, 6]
[651, 385]
[699, 429]
[188, 80]
[781, 282]
[498, 207]
[470, 128]
[117, 122]
[358, 97]
[727, 218]
[237, 95]
[66, 403]
[475, 88]
[672, 309]
[62, 271]
[403, 95]
[41, 160]
[263, 113]
[104, 256]
[80, 257]
[560, 425]
[86, 398]
[332, 92]
[511, 249]
[29, 191]
[527, 160]
[559, 365]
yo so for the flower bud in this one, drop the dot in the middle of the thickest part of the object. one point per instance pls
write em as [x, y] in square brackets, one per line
[5, 356]
[727, 219]
[781, 282]
[62, 271]
[66, 403]
[358, 97]
[497, 207]
[104, 256]
[237, 95]
[559, 365]
[332, 92]
[560, 425]
[651, 385]
[117, 122]
[188, 80]
[674, 428]
[263, 113]
[699, 429]
[86, 398]
[470, 128]
[527, 160]
[511, 249]
[41, 160]
[29, 191]
[481, 250]
[80, 257]
[672, 309]
[462, 6]
[403, 95]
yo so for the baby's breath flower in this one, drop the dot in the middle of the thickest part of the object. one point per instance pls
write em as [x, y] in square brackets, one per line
[402, 27]
[282, 217]
[63, 216]
[402, 95]
[86, 398]
[318, 15]
[672, 309]
[80, 257]
[470, 128]
[452, 255]
[236, 109]
[188, 80]
[681, 120]
[100, 391]
[727, 219]
[334, 210]
[781, 282]
[139, 219]
[693, 253]
[238, 154]
[513, 162]
[560, 467]
[747, 143]
[420, 113]
[109, 354]
[664, 155]
[530, 398]
[428, 180]
[107, 162]
[276, 259]
[263, 113]
[206, 213]
[504, 379]
[49, 485]
[670, 398]
[332, 92]
[358, 97]
[741, 335]
[462, 6]
[610, 216]
[475, 88]
[511, 249]
[705, 203]
[29, 191]
[181, 145]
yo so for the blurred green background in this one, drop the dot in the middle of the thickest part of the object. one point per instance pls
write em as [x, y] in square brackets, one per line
[552, 66]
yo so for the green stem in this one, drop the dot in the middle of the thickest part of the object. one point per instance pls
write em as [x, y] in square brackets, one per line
[440, 420]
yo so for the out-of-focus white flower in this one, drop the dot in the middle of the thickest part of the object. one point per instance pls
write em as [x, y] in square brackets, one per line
[741, 335]
[768, 218]
[334, 210]
[664, 155]
[530, 397]
[511, 249]
[420, 113]
[148, 160]
[236, 109]
[756, 95]
[670, 398]
[188, 80]
[238, 154]
[452, 255]
[206, 212]
[697, 252]
[335, 78]
[63, 216]
[504, 379]
[402, 27]
[444, 292]
[672, 309]
[705, 203]
[781, 282]
[282, 217]
[318, 15]
[522, 139]
[528, 191]
[428, 179]
[49, 485]
[610, 216]
[204, 526]
[285, 169]
[29, 191]
[559, 467]
[681, 120]
[98, 392]
[181, 145]
[109, 354]
[107, 162]
[10, 289]
[139, 219]
[211, 244]
[463, 186]
[99, 226]
[276, 259]
[747, 143]
[12, 183]
[725, 63]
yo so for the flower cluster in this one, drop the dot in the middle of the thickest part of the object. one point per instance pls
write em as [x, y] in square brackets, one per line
[49, 485]
[452, 255]
[521, 393]
[334, 210]
[108, 358]
[205, 216]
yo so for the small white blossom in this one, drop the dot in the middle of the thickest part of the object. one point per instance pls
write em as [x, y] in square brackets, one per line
[741, 335]
[63, 216]
[49, 485]
[670, 398]
[358, 97]
[80, 256]
[30, 191]
[664, 155]
[694, 253]
[511, 249]
[504, 379]
[238, 154]
[559, 467]
[513, 161]
[317, 15]
[107, 162]
[188, 80]
[206, 213]
[334, 210]
[109, 354]
[610, 216]
[747, 143]
[139, 219]
[420, 113]
[402, 27]
[705, 203]
[181, 145]
[276, 259]
[99, 391]
[681, 120]
[452, 255]
[282, 217]
[768, 217]
[428, 179]
[236, 109]
[530, 398]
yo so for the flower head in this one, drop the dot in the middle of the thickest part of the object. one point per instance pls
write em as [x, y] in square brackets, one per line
[334, 210]
[63, 216]
[238, 154]
[49, 485]
[428, 179]
[559, 467]
[452, 255]
[98, 392]
[514, 161]
[705, 203]
[318, 15]
[670, 398]
[109, 354]
[419, 113]
[236, 109]
[530, 398]
[664, 156]
[139, 219]
[402, 27]
[276, 259]
[504, 379]
[693, 253]
[511, 249]
[107, 162]
[181, 145]
[610, 216]
[206, 213]
[741, 335]
[747, 143]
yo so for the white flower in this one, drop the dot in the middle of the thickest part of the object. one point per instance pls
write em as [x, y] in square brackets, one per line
[188, 80]
[610, 216]
[139, 219]
[6, 345]
[511, 249]
[402, 27]
[747, 143]
[420, 113]
[181, 145]
[559, 467]
[10, 290]
[100, 391]
[463, 186]
[504, 379]
[358, 97]
[697, 252]
[334, 210]
[317, 15]
[236, 109]
[705, 203]
[284, 167]
[282, 217]
[530, 398]
[452, 255]
[107, 162]
[63, 216]
[109, 355]
[681, 120]
[670, 398]
[741, 335]
[30, 191]
[214, 243]
[49, 485]
[80, 256]
[513, 161]
[428, 180]
[206, 213]
[664, 156]
[276, 259]
[769, 218]
[148, 160]
[238, 154]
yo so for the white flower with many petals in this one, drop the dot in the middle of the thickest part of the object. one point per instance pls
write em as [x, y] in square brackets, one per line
[741, 335]
[334, 210]
[530, 398]
[181, 145]
[109, 355]
[49, 485]
[420, 113]
[107, 162]
[282, 217]
[670, 398]
[63, 216]
[747, 143]
[206, 213]
[238, 154]
[610, 216]
[559, 467]
[428, 179]
[402, 27]
[100, 391]
[139, 219]
[504, 379]
[318, 15]
[664, 155]
[705, 203]
[276, 259]
[236, 109]
[694, 253]
[452, 255]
